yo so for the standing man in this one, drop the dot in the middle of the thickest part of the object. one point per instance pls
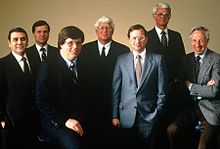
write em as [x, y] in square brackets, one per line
[57, 91]
[169, 43]
[200, 71]
[138, 100]
[18, 114]
[96, 64]
[41, 50]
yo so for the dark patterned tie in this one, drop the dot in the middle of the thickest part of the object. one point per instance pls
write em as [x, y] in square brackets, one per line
[163, 39]
[197, 66]
[138, 69]
[73, 70]
[26, 68]
[103, 52]
[43, 54]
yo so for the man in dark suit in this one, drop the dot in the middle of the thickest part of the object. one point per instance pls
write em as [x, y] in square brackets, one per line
[171, 46]
[18, 114]
[41, 50]
[57, 91]
[203, 84]
[96, 68]
[138, 101]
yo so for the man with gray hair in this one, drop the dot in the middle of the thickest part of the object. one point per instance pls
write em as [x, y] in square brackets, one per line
[162, 40]
[200, 74]
[96, 64]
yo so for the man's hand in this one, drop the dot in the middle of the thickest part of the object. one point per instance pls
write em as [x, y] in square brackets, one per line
[2, 124]
[74, 125]
[172, 129]
[211, 82]
[116, 122]
[187, 83]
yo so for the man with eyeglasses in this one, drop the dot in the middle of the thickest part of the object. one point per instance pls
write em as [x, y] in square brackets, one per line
[138, 92]
[169, 43]
[96, 64]
[57, 90]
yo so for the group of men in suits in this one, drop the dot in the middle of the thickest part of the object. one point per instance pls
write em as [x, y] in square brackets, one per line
[91, 92]
[19, 115]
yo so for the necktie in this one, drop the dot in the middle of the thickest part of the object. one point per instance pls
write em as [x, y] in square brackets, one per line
[163, 39]
[138, 69]
[197, 66]
[73, 70]
[43, 54]
[103, 52]
[26, 68]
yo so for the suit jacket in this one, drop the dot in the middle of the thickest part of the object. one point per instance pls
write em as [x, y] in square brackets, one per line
[17, 91]
[149, 99]
[34, 55]
[172, 53]
[209, 69]
[56, 92]
[96, 78]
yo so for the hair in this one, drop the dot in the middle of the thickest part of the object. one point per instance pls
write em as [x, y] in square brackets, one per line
[72, 32]
[162, 5]
[16, 29]
[200, 28]
[137, 27]
[105, 19]
[40, 23]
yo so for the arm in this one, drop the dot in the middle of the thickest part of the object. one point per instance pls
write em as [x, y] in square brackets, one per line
[116, 90]
[162, 85]
[210, 88]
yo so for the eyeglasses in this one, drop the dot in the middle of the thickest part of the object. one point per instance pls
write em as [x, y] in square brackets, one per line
[71, 43]
[102, 28]
[163, 14]
[139, 38]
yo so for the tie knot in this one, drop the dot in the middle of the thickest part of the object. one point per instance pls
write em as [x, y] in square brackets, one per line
[198, 58]
[23, 59]
[43, 50]
[163, 32]
[138, 57]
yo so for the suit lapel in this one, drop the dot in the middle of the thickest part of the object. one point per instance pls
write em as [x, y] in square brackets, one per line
[129, 63]
[204, 67]
[146, 68]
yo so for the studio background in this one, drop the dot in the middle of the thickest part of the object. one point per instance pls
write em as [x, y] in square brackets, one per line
[84, 13]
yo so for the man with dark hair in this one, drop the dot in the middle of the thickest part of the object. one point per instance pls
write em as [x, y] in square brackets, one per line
[57, 91]
[18, 114]
[41, 50]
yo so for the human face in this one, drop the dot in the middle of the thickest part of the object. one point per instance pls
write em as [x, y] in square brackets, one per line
[138, 40]
[162, 17]
[199, 42]
[18, 42]
[41, 35]
[71, 48]
[104, 32]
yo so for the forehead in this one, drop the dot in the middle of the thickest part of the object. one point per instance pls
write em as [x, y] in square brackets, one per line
[41, 28]
[17, 35]
[137, 32]
[162, 10]
[198, 34]
[72, 40]
[104, 24]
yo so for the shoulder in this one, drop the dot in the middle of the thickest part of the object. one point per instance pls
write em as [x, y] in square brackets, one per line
[173, 32]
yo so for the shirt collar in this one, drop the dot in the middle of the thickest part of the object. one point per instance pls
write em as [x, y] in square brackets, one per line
[19, 57]
[68, 63]
[202, 55]
[39, 47]
[142, 54]
[107, 46]
[158, 30]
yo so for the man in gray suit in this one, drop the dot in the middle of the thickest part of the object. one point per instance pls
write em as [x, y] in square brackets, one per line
[137, 103]
[203, 88]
